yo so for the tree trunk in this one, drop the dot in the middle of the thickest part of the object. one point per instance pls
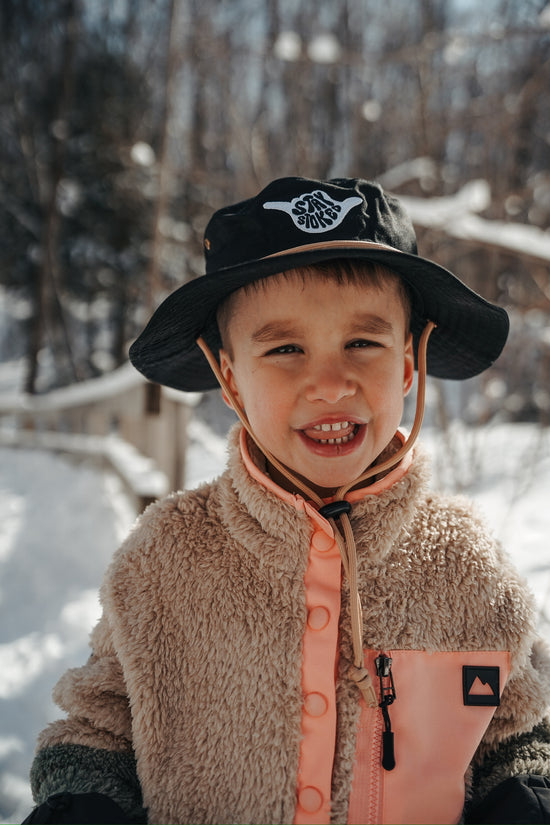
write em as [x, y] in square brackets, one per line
[154, 272]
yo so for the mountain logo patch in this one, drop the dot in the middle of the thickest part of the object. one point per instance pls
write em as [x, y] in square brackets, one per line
[481, 686]
[315, 211]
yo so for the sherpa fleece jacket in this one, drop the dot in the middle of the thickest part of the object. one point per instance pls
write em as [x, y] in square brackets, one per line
[192, 702]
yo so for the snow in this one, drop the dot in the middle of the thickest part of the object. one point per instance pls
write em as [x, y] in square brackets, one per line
[455, 216]
[288, 46]
[142, 154]
[91, 391]
[324, 48]
[59, 525]
[60, 522]
[544, 17]
[371, 110]
[139, 472]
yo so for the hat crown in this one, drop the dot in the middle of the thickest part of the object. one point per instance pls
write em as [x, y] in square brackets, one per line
[292, 212]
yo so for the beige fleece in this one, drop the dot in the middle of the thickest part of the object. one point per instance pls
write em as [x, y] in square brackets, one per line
[197, 659]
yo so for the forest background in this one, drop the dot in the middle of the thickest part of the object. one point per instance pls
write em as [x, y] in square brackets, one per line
[124, 124]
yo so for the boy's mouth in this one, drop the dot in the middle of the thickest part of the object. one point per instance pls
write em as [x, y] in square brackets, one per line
[336, 433]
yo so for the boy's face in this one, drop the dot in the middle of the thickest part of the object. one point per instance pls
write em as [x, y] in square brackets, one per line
[321, 369]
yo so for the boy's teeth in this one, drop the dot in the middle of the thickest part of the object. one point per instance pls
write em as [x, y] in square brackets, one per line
[342, 425]
[343, 440]
[339, 425]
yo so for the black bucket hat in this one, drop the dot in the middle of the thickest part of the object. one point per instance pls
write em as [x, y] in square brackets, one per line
[298, 221]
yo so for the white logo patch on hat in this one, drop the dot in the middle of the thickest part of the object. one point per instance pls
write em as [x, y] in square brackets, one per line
[315, 211]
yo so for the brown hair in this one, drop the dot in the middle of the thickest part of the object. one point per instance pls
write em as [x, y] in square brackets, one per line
[343, 270]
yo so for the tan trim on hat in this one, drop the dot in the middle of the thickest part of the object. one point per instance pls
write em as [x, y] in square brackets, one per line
[326, 245]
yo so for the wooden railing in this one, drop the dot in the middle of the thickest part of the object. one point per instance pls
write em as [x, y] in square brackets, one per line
[137, 428]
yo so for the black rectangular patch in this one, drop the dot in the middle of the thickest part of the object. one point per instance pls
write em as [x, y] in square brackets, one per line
[481, 686]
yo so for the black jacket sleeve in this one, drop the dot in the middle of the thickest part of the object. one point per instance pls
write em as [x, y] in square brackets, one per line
[80, 809]
[520, 799]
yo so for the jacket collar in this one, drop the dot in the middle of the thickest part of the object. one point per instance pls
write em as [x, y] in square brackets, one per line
[255, 463]
[379, 511]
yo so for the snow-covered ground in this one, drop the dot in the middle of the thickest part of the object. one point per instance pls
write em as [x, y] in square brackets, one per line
[60, 523]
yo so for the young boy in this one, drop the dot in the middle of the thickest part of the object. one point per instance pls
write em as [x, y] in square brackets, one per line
[315, 636]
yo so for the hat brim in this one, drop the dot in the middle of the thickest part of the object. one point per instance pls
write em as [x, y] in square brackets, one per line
[470, 334]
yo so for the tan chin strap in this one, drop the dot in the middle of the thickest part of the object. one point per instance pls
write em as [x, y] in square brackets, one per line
[341, 508]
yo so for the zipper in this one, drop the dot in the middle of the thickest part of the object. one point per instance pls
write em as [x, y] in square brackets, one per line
[374, 749]
[383, 664]
[376, 779]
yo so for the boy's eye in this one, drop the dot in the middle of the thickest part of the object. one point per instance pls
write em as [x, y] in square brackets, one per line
[284, 349]
[361, 343]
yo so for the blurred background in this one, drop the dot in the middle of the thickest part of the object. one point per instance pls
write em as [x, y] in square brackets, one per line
[123, 125]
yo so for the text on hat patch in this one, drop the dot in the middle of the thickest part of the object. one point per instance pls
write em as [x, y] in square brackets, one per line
[315, 211]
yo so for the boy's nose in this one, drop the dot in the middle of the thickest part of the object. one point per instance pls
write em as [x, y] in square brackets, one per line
[330, 383]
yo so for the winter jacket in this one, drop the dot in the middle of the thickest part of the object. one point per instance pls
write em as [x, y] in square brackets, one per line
[217, 690]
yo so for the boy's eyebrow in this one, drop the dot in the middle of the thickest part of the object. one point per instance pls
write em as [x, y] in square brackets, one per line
[367, 322]
[362, 322]
[273, 331]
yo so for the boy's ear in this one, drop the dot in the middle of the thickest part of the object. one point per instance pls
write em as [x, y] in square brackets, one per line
[408, 373]
[226, 367]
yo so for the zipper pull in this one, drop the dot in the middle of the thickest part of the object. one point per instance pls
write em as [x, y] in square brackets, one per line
[383, 665]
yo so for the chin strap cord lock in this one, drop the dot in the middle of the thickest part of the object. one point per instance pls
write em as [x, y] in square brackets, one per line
[335, 509]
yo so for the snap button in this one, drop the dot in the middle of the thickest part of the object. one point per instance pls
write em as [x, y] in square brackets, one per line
[321, 541]
[310, 799]
[315, 704]
[318, 618]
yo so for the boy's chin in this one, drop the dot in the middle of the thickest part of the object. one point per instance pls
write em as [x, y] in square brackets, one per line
[325, 491]
[317, 483]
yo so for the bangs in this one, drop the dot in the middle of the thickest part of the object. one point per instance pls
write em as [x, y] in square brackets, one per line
[341, 270]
